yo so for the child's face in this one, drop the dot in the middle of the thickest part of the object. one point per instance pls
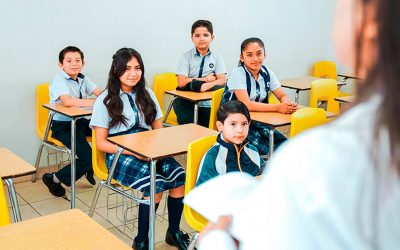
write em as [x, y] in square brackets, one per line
[132, 75]
[235, 128]
[72, 64]
[253, 57]
[202, 38]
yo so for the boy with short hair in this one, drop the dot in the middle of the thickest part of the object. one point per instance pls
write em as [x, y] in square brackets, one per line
[72, 89]
[200, 70]
[231, 152]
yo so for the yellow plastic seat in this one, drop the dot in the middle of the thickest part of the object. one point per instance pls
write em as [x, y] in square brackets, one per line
[327, 69]
[324, 90]
[195, 153]
[306, 118]
[164, 82]
[4, 214]
[215, 102]
[272, 99]
[99, 161]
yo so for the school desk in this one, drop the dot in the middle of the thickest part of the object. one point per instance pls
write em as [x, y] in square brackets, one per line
[74, 113]
[155, 145]
[195, 97]
[345, 99]
[301, 84]
[12, 166]
[349, 76]
[275, 120]
[71, 229]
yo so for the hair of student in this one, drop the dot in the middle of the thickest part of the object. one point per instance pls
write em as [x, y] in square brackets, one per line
[232, 107]
[202, 23]
[113, 102]
[67, 49]
[246, 42]
[384, 76]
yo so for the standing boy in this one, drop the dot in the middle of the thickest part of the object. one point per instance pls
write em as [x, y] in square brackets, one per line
[199, 69]
[72, 89]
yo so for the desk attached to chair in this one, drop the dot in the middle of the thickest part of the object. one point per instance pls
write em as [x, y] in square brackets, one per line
[74, 113]
[158, 144]
[70, 229]
[195, 97]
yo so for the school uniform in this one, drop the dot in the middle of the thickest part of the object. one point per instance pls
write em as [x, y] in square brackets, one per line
[242, 79]
[82, 88]
[193, 65]
[130, 171]
[224, 157]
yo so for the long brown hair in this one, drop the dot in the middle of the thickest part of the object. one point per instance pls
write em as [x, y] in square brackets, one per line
[113, 102]
[383, 77]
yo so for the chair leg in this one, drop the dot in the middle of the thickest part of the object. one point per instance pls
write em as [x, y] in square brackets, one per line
[13, 200]
[39, 154]
[95, 198]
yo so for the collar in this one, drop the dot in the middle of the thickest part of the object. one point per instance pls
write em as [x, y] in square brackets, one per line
[121, 93]
[230, 146]
[259, 72]
[66, 76]
[197, 53]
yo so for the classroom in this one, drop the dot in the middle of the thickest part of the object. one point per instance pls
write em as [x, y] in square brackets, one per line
[296, 36]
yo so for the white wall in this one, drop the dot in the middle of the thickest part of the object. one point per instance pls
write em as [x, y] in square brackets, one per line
[296, 34]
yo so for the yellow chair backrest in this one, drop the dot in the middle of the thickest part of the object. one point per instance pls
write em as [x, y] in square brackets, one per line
[4, 215]
[306, 118]
[98, 160]
[325, 69]
[272, 99]
[195, 153]
[42, 114]
[162, 83]
[325, 90]
[215, 103]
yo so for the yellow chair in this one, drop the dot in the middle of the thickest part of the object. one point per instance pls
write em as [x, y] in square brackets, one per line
[215, 103]
[272, 99]
[4, 214]
[324, 90]
[327, 69]
[306, 118]
[195, 153]
[162, 83]
[43, 125]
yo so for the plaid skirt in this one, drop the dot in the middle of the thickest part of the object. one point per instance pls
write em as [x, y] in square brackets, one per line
[259, 137]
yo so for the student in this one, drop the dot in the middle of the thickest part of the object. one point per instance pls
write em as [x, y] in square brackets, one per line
[250, 83]
[127, 106]
[337, 186]
[232, 152]
[72, 89]
[199, 69]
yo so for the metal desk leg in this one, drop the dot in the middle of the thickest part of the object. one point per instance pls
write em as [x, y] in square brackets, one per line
[73, 161]
[196, 113]
[14, 200]
[152, 216]
[271, 142]
[169, 109]
[297, 96]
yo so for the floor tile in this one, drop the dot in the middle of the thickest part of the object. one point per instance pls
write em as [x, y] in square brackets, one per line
[56, 205]
[27, 212]
[33, 192]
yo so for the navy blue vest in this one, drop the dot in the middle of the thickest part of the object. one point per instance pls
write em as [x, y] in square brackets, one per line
[228, 96]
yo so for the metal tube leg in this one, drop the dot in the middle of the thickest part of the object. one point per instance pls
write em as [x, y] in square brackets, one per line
[152, 203]
[297, 96]
[96, 198]
[271, 141]
[73, 161]
[14, 200]
[37, 162]
[169, 109]
[196, 113]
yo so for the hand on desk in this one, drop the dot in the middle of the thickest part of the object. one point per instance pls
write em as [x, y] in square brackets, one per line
[288, 107]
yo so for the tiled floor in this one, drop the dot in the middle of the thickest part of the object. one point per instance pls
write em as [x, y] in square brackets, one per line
[35, 200]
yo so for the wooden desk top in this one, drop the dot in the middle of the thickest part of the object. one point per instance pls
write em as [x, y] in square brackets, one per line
[69, 111]
[190, 95]
[71, 229]
[276, 119]
[13, 166]
[160, 143]
[301, 83]
[345, 99]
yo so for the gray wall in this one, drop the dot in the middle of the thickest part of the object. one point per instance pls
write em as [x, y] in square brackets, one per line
[296, 34]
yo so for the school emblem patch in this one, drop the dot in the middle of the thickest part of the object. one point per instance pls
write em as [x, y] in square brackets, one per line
[211, 65]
